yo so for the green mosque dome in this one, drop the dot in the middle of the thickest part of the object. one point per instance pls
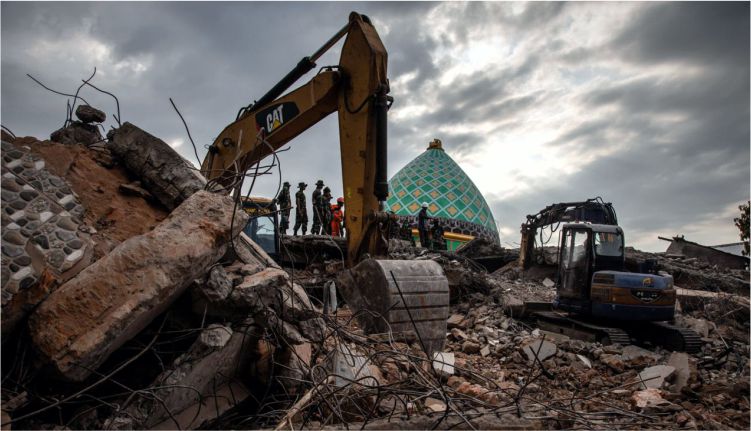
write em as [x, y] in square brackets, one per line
[433, 177]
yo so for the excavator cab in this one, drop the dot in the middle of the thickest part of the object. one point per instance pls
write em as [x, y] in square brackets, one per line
[592, 279]
[263, 225]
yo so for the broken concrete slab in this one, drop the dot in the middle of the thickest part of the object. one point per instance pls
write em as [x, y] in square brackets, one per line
[471, 347]
[443, 363]
[541, 348]
[246, 250]
[635, 353]
[680, 361]
[162, 171]
[213, 360]
[455, 321]
[654, 377]
[485, 351]
[210, 407]
[548, 283]
[108, 303]
[349, 365]
[458, 335]
[615, 362]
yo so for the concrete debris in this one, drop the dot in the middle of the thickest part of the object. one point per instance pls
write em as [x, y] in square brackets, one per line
[539, 349]
[89, 114]
[77, 133]
[166, 175]
[585, 361]
[443, 363]
[648, 398]
[183, 322]
[455, 321]
[216, 357]
[108, 303]
[683, 370]
[654, 377]
[435, 405]
[348, 365]
[688, 249]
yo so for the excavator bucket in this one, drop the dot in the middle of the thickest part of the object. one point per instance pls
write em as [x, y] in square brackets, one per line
[407, 297]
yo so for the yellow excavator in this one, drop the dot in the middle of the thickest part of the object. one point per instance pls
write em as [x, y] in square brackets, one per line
[386, 295]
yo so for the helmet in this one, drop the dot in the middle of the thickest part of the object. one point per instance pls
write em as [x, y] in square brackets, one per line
[340, 200]
[319, 182]
[286, 184]
[424, 204]
[302, 184]
[326, 190]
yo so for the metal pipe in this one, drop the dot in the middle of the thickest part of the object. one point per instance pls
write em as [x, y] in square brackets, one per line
[381, 105]
[326, 46]
[303, 66]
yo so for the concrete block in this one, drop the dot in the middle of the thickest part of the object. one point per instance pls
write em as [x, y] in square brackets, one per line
[654, 377]
[108, 303]
[543, 349]
[162, 171]
[443, 363]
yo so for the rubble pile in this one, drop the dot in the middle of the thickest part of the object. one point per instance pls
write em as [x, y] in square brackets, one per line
[132, 300]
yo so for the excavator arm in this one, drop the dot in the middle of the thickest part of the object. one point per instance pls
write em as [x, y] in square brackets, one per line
[357, 88]
[592, 210]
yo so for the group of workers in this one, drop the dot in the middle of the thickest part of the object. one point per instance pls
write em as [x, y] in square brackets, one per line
[328, 218]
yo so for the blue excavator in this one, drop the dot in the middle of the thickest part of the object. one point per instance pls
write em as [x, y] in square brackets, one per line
[596, 297]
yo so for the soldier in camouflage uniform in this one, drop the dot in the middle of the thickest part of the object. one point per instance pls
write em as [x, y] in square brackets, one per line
[301, 210]
[317, 214]
[285, 206]
[325, 211]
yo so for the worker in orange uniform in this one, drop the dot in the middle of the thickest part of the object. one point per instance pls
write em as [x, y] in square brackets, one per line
[337, 217]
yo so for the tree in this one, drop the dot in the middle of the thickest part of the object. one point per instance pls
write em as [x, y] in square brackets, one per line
[742, 222]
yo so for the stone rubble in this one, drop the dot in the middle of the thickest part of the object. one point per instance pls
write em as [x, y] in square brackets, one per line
[184, 322]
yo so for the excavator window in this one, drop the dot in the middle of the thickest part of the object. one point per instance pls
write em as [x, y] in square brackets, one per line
[608, 244]
[581, 242]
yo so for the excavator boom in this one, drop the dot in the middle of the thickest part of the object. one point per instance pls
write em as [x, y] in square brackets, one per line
[357, 88]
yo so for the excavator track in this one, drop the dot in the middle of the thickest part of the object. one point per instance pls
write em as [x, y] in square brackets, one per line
[556, 322]
[669, 336]
[656, 333]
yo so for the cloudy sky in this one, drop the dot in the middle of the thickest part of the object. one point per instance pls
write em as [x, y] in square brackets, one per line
[644, 104]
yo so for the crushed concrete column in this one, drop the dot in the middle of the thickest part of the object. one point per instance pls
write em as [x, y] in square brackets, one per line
[216, 357]
[108, 303]
[162, 171]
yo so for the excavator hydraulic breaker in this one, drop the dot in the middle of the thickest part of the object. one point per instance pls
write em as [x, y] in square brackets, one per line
[403, 296]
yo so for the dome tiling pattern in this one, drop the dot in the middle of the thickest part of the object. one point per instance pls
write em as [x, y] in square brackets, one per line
[435, 178]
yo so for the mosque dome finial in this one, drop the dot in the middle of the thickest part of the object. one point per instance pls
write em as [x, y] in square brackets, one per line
[435, 144]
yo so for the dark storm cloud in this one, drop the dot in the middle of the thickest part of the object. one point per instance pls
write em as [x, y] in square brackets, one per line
[654, 115]
[703, 32]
